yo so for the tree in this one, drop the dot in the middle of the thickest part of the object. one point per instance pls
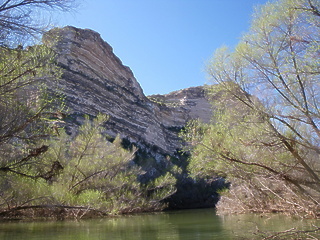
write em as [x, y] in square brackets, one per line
[24, 77]
[41, 167]
[265, 138]
[23, 102]
[19, 19]
[82, 175]
[24, 99]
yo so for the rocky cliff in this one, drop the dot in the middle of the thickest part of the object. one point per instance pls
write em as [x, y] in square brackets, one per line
[95, 80]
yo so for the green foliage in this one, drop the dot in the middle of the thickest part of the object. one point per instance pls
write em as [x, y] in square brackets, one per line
[24, 99]
[87, 172]
[162, 187]
[43, 167]
[264, 137]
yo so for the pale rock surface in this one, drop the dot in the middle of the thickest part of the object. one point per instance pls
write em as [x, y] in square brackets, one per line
[95, 81]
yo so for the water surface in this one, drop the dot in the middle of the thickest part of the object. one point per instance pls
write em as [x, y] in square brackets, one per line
[177, 225]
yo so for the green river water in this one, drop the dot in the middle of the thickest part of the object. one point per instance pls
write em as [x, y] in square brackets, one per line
[200, 224]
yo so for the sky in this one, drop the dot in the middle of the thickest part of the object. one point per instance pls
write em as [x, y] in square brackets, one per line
[166, 43]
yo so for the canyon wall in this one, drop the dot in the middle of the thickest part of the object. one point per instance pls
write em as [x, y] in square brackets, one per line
[95, 81]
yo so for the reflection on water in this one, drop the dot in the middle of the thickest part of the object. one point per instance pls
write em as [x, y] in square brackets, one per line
[251, 226]
[179, 225]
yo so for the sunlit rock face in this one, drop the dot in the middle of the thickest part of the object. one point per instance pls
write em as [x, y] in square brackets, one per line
[95, 81]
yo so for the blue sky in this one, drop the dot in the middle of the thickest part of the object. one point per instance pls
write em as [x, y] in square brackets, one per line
[166, 43]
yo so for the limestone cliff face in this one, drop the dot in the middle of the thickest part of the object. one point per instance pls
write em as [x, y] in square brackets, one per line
[191, 100]
[94, 80]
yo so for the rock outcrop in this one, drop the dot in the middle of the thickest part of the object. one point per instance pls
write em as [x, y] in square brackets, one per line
[95, 81]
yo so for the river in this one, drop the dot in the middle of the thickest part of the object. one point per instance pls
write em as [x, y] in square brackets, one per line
[200, 224]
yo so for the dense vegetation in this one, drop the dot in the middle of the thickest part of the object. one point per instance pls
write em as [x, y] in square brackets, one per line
[80, 176]
[264, 137]
[43, 170]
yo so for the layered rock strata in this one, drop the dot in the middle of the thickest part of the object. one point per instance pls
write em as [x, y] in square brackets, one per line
[95, 81]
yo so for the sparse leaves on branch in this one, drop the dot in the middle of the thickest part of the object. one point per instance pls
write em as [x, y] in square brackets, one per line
[22, 19]
[265, 135]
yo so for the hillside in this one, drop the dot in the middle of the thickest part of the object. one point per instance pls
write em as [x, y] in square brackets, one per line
[95, 81]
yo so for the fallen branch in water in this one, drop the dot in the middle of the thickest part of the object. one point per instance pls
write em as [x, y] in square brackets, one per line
[84, 209]
[293, 233]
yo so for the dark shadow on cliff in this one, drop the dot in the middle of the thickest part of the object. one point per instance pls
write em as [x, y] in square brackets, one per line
[194, 193]
[191, 193]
